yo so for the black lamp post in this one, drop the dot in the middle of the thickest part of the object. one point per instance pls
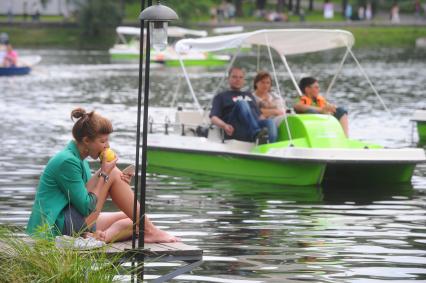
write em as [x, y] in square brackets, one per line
[157, 17]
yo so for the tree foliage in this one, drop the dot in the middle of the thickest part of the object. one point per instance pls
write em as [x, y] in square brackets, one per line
[95, 16]
[190, 10]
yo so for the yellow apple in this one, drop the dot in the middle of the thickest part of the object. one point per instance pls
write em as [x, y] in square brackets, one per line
[109, 154]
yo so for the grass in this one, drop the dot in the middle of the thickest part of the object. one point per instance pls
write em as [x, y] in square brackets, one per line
[56, 37]
[44, 18]
[375, 37]
[42, 261]
[63, 37]
[69, 36]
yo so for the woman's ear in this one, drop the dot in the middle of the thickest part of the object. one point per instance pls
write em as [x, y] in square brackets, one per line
[86, 140]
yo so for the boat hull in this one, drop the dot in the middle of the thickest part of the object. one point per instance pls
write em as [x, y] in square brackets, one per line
[212, 61]
[371, 173]
[15, 71]
[421, 130]
[224, 165]
[195, 62]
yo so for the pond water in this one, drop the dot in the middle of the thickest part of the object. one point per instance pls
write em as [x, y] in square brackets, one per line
[250, 232]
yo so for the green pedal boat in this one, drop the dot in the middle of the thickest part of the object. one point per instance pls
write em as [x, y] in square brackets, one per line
[317, 152]
[311, 148]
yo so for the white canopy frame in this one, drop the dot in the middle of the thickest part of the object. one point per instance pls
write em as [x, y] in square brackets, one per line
[285, 42]
[339, 69]
[277, 85]
[188, 81]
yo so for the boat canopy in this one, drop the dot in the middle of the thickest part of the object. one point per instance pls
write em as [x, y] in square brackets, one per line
[284, 41]
[172, 31]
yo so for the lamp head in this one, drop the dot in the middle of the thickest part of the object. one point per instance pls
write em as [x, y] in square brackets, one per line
[158, 17]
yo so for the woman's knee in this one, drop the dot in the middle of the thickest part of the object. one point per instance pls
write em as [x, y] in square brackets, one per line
[115, 174]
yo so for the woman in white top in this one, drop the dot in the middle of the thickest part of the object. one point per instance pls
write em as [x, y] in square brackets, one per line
[271, 106]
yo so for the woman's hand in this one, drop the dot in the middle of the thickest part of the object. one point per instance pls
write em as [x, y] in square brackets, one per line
[126, 177]
[106, 166]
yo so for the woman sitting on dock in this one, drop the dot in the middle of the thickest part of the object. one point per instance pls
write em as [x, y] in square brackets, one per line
[69, 200]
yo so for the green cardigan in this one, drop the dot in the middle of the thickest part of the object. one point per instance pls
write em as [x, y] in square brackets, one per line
[62, 183]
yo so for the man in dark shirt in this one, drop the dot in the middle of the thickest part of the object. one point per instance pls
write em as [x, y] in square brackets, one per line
[236, 112]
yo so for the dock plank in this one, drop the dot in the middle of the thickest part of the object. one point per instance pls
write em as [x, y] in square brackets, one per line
[150, 249]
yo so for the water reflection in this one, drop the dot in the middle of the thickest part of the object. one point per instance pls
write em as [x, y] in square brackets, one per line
[307, 234]
[250, 232]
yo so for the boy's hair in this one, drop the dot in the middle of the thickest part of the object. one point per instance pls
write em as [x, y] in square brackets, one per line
[305, 82]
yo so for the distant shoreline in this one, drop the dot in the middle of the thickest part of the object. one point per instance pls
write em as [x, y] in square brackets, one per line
[67, 35]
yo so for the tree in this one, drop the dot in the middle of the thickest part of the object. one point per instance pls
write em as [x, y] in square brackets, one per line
[95, 16]
[188, 10]
[311, 5]
[260, 5]
[344, 4]
[238, 8]
[290, 5]
[280, 6]
[297, 10]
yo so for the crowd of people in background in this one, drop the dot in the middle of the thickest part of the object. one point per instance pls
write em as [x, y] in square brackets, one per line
[227, 11]
[29, 8]
[362, 13]
[353, 11]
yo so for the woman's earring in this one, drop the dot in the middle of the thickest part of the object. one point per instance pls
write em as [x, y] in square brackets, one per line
[87, 150]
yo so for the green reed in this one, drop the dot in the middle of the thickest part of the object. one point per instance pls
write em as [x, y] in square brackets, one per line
[39, 260]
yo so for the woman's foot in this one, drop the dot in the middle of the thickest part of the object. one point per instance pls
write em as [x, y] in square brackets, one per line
[159, 236]
[98, 235]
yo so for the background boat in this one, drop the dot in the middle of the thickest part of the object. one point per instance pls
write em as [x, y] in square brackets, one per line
[127, 48]
[23, 67]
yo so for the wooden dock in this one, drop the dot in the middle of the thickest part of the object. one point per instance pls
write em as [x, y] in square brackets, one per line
[177, 249]
[190, 255]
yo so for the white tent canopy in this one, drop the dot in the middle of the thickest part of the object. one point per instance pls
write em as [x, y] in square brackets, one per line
[284, 41]
[172, 31]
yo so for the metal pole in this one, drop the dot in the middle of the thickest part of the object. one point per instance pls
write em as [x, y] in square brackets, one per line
[144, 141]
[138, 129]
[142, 176]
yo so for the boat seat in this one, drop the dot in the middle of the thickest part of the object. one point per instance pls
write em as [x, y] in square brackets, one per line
[215, 134]
[191, 122]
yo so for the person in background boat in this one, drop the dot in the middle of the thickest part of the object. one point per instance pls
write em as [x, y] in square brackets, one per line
[69, 200]
[11, 57]
[4, 40]
[8, 56]
[236, 112]
[270, 105]
[313, 102]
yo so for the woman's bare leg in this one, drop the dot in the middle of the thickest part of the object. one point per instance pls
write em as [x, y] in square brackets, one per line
[345, 124]
[116, 226]
[123, 197]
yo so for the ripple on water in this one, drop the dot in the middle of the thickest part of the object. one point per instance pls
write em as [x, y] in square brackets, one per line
[249, 232]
